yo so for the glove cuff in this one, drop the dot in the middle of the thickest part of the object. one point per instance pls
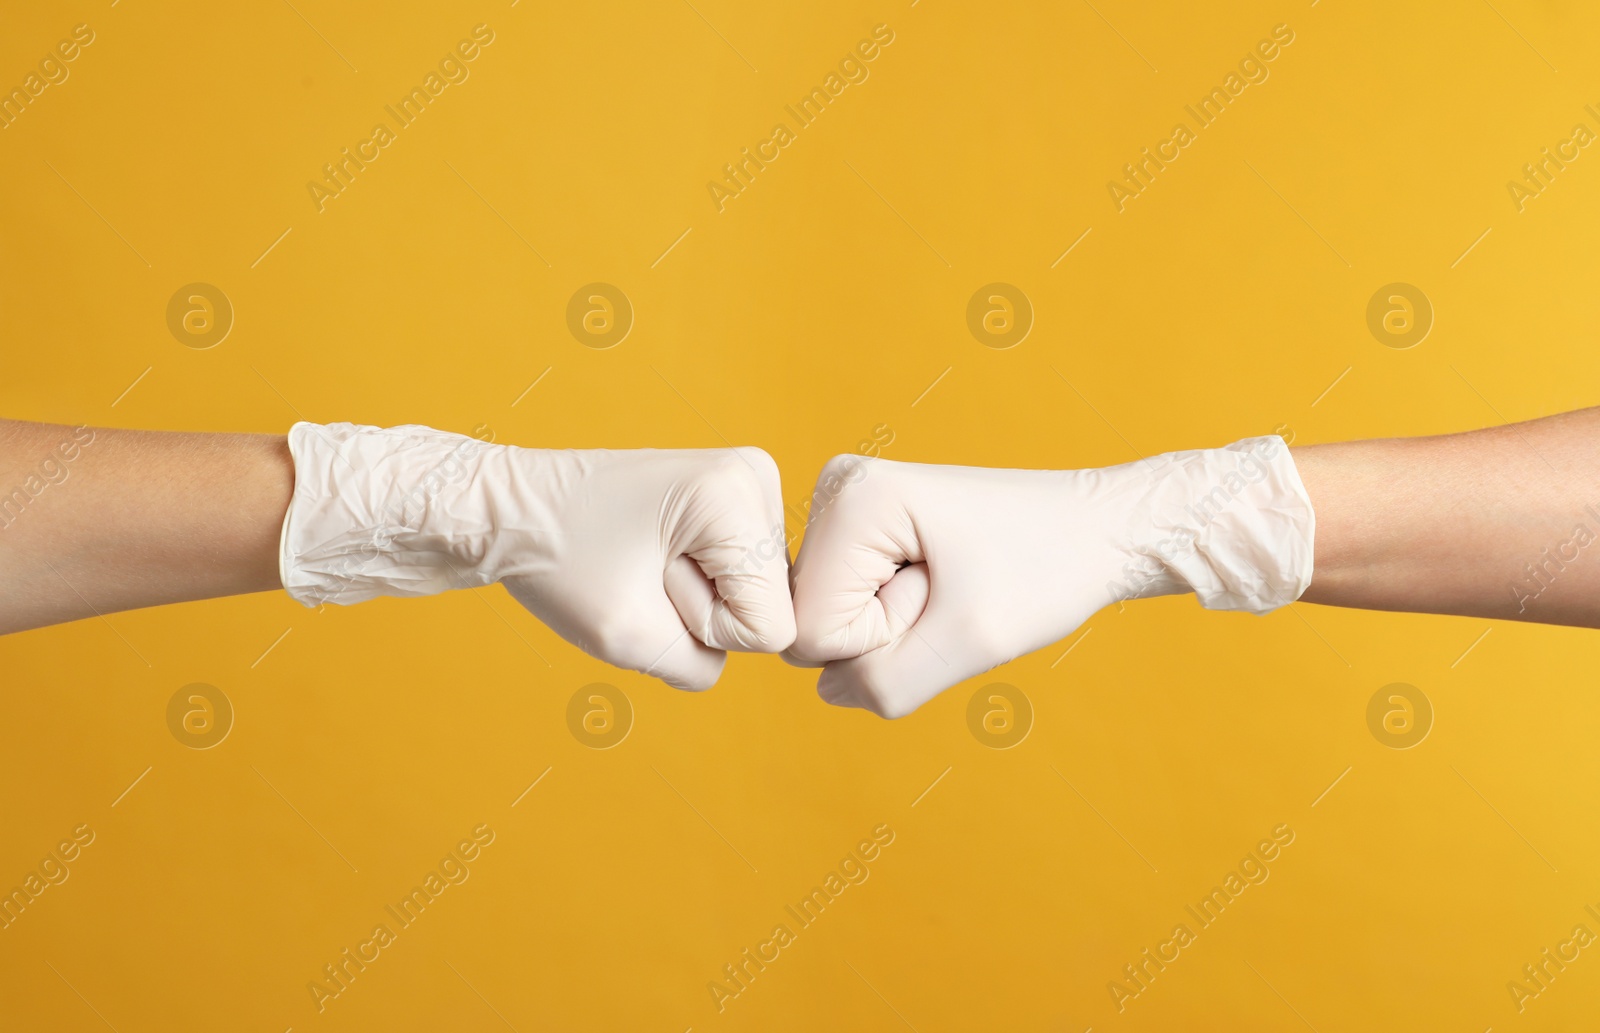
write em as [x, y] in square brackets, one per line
[1233, 524]
[365, 518]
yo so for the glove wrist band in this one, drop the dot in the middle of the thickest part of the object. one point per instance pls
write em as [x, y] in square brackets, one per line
[1234, 525]
[363, 521]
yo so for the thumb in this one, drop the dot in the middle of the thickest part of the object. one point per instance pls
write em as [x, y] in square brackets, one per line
[899, 603]
[730, 582]
[708, 616]
[903, 675]
[861, 539]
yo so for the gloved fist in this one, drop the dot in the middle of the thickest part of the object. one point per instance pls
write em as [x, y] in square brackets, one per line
[912, 578]
[656, 561]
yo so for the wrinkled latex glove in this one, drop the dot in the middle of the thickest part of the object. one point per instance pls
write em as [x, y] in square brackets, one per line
[912, 578]
[656, 561]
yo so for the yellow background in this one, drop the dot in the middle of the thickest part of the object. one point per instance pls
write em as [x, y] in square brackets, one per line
[820, 304]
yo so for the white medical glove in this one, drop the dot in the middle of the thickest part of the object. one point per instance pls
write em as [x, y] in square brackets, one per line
[656, 561]
[912, 578]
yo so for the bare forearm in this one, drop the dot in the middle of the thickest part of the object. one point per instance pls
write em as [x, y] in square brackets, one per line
[99, 520]
[1497, 523]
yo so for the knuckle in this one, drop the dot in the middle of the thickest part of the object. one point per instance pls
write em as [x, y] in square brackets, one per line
[838, 482]
[847, 466]
[759, 461]
[746, 473]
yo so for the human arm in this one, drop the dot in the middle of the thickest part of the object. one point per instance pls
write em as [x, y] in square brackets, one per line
[97, 520]
[913, 578]
[1489, 523]
[658, 561]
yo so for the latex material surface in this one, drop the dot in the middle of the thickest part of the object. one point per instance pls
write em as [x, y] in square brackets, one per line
[653, 560]
[915, 577]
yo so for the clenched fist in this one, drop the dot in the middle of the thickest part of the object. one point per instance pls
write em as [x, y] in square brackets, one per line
[656, 561]
[913, 578]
